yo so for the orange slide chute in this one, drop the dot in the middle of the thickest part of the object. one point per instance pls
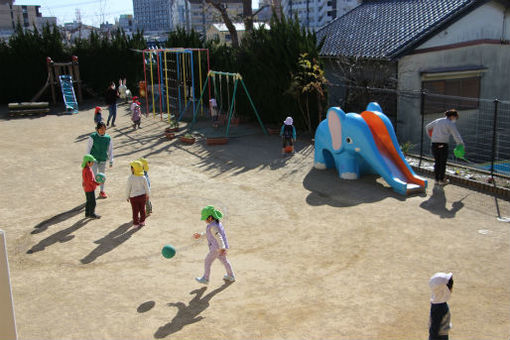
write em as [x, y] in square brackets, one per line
[386, 147]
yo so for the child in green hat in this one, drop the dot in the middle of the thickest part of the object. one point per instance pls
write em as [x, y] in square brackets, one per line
[89, 185]
[218, 244]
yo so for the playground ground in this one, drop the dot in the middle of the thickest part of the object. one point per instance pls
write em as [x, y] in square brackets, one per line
[315, 257]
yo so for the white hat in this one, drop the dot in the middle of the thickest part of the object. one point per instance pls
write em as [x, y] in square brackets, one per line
[440, 292]
[288, 121]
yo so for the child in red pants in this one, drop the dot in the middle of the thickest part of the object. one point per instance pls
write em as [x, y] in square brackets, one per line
[137, 193]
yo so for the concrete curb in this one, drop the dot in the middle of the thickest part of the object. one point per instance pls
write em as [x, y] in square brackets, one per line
[488, 188]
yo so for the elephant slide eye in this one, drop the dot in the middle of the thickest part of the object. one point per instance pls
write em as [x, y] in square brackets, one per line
[348, 140]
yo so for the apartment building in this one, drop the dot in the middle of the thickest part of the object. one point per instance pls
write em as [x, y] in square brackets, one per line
[153, 15]
[10, 14]
[126, 22]
[314, 14]
[199, 15]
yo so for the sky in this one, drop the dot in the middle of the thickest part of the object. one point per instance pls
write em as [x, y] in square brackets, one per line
[93, 12]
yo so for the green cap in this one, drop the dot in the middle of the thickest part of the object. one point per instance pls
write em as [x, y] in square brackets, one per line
[87, 158]
[211, 211]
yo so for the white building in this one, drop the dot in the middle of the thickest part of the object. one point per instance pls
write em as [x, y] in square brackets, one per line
[199, 15]
[221, 32]
[314, 14]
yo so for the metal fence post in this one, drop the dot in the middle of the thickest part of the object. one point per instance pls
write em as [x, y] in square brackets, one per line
[494, 136]
[422, 112]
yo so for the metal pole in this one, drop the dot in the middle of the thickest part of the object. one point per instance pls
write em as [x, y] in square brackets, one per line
[422, 112]
[192, 80]
[493, 155]
[231, 107]
[200, 80]
[201, 95]
[253, 106]
[208, 69]
[494, 135]
[160, 85]
[146, 85]
[167, 92]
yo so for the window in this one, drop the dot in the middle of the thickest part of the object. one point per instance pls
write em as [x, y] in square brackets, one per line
[460, 88]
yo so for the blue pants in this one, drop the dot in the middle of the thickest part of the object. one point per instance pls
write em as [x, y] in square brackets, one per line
[113, 114]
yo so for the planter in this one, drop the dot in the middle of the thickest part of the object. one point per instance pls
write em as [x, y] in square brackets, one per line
[172, 129]
[272, 131]
[217, 141]
[187, 140]
[169, 135]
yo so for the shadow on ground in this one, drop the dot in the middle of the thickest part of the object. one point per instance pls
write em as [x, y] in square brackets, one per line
[42, 226]
[60, 236]
[436, 203]
[110, 242]
[189, 314]
[328, 189]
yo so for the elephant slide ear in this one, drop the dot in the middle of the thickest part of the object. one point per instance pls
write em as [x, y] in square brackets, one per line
[335, 118]
[373, 106]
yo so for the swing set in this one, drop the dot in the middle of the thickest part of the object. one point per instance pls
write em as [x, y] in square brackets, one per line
[171, 77]
[216, 77]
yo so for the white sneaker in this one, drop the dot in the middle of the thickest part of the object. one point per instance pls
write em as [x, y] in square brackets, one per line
[202, 280]
[229, 278]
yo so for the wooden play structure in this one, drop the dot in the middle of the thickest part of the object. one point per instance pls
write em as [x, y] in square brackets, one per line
[28, 108]
[70, 72]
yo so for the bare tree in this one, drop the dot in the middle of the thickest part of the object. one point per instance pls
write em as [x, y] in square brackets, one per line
[248, 16]
[226, 19]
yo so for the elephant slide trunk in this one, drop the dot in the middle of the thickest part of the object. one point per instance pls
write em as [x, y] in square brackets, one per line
[405, 181]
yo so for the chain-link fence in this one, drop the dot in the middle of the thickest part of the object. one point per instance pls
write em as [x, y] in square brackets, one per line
[484, 125]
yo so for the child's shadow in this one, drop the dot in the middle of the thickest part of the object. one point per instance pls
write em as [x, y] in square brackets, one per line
[60, 236]
[437, 203]
[186, 315]
[110, 242]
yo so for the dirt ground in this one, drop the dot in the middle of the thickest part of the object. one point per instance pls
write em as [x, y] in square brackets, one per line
[315, 257]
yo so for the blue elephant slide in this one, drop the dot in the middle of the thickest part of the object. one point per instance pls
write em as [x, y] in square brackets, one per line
[360, 144]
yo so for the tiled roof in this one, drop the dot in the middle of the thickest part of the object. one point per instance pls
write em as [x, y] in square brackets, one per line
[385, 29]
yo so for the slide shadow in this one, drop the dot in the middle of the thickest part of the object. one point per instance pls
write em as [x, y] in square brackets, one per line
[189, 314]
[60, 236]
[436, 204]
[328, 189]
[110, 242]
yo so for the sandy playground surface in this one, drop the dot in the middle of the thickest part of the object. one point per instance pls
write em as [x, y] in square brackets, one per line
[315, 257]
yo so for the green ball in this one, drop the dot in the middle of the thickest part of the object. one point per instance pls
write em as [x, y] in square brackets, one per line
[459, 151]
[100, 177]
[168, 251]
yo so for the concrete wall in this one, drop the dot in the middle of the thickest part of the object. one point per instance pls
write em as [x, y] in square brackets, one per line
[494, 84]
[490, 21]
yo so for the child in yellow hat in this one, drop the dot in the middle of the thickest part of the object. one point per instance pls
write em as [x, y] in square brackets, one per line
[137, 193]
[148, 204]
